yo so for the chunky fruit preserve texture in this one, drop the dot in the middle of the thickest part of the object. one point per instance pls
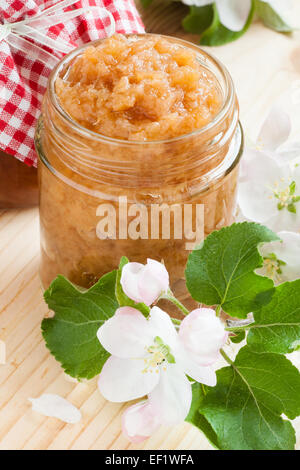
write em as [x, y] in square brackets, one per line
[139, 89]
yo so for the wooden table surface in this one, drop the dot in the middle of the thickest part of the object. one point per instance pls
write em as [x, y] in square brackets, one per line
[264, 65]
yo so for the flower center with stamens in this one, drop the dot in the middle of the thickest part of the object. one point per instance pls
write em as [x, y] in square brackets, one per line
[158, 353]
[273, 266]
[286, 197]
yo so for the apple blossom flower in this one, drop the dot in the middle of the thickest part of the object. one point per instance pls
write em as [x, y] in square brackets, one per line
[193, 330]
[145, 283]
[140, 421]
[271, 141]
[234, 13]
[282, 258]
[270, 194]
[149, 357]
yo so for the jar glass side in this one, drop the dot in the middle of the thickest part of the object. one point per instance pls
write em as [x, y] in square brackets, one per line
[70, 216]
[97, 194]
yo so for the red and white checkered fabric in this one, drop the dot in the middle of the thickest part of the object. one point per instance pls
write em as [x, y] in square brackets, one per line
[23, 80]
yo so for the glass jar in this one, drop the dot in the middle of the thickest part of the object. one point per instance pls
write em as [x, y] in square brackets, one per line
[102, 198]
[18, 183]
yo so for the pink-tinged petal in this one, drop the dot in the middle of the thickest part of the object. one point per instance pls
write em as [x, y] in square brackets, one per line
[129, 280]
[139, 422]
[171, 399]
[162, 326]
[127, 334]
[275, 130]
[202, 335]
[124, 380]
[153, 281]
[234, 13]
[203, 374]
[158, 270]
[144, 283]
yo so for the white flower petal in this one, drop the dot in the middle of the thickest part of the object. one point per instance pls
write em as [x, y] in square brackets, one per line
[153, 281]
[163, 327]
[275, 130]
[172, 397]
[294, 357]
[285, 220]
[256, 204]
[139, 422]
[203, 374]
[233, 13]
[287, 250]
[280, 6]
[127, 334]
[198, 3]
[157, 269]
[124, 380]
[289, 152]
[202, 335]
[246, 162]
[144, 283]
[56, 407]
[129, 280]
[256, 195]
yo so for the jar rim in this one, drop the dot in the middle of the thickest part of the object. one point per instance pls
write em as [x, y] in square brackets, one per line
[228, 101]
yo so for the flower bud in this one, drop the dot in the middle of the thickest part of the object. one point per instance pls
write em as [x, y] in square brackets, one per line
[203, 335]
[144, 283]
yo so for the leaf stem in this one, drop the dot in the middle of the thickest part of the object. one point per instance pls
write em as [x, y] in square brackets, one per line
[237, 329]
[176, 321]
[218, 310]
[169, 296]
[227, 358]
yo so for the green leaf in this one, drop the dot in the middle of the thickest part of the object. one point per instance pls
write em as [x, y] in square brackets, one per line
[71, 335]
[277, 325]
[222, 271]
[122, 298]
[217, 34]
[197, 419]
[245, 407]
[240, 336]
[198, 19]
[271, 18]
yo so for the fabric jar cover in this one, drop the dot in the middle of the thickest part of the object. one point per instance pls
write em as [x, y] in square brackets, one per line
[23, 79]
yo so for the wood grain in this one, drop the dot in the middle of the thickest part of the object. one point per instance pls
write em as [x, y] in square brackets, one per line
[264, 66]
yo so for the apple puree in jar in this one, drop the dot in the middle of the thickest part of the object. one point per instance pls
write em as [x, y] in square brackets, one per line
[132, 126]
[141, 90]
